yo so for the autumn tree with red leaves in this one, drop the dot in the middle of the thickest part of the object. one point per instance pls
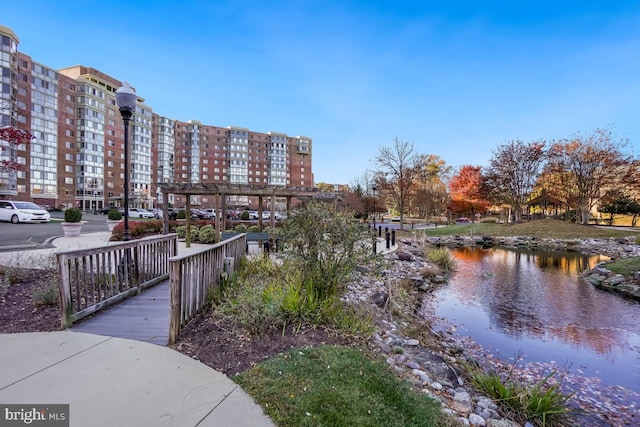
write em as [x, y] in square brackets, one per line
[10, 139]
[466, 190]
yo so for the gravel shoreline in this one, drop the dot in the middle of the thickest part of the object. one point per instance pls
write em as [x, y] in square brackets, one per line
[435, 367]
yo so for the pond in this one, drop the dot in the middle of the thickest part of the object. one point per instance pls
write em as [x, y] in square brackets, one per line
[532, 304]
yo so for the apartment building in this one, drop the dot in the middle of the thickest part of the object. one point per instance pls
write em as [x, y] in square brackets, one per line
[77, 155]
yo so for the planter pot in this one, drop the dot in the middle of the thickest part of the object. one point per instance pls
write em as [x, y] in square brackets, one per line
[71, 229]
[111, 223]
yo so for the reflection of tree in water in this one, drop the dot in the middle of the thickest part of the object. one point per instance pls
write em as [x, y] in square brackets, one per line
[537, 295]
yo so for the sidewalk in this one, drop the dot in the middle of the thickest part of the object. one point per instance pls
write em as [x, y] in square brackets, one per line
[117, 382]
[113, 381]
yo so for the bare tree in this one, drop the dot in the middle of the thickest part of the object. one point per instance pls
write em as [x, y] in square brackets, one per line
[513, 171]
[592, 164]
[397, 166]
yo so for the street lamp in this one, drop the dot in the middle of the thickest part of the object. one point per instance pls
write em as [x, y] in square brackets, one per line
[126, 99]
[374, 187]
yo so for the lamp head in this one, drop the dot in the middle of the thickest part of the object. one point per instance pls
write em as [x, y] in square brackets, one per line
[126, 99]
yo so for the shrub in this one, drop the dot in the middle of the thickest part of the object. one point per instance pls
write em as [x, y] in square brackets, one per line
[253, 229]
[240, 228]
[73, 215]
[46, 293]
[181, 231]
[489, 220]
[326, 246]
[208, 234]
[114, 214]
[137, 228]
[244, 216]
[181, 215]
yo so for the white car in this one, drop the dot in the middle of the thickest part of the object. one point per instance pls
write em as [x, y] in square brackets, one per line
[266, 215]
[17, 212]
[139, 213]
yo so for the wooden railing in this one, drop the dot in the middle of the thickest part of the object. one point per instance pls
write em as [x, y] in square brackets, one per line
[193, 276]
[91, 279]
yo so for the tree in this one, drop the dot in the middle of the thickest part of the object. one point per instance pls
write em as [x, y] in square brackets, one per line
[616, 203]
[430, 191]
[325, 187]
[552, 187]
[513, 171]
[397, 169]
[466, 190]
[593, 165]
[10, 139]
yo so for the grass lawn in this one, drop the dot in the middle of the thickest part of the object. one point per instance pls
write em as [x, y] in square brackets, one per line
[625, 266]
[543, 228]
[337, 386]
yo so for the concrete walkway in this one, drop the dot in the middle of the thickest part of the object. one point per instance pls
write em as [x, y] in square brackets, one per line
[119, 382]
[111, 381]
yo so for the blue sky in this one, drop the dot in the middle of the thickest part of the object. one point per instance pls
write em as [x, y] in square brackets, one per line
[456, 78]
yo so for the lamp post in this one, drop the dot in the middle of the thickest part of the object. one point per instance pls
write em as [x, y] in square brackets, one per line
[126, 99]
[374, 188]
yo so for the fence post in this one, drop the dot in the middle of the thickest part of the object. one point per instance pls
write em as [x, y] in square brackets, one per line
[175, 300]
[393, 237]
[387, 238]
[379, 231]
[64, 287]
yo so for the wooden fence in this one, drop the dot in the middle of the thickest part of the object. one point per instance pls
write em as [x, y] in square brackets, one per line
[91, 279]
[194, 276]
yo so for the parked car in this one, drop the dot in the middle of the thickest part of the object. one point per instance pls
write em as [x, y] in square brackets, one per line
[157, 213]
[17, 212]
[207, 213]
[233, 214]
[266, 215]
[139, 213]
[106, 209]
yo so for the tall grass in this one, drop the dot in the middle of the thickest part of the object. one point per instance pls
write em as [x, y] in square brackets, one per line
[442, 258]
[541, 404]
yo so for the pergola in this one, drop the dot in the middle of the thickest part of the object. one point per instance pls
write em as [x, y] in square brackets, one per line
[220, 191]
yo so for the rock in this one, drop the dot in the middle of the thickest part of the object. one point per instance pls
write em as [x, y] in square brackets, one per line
[501, 423]
[404, 256]
[412, 365]
[461, 408]
[462, 397]
[438, 278]
[463, 421]
[436, 385]
[417, 281]
[622, 240]
[380, 298]
[411, 342]
[615, 280]
[476, 420]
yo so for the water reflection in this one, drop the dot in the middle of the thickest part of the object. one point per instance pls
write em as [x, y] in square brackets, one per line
[533, 302]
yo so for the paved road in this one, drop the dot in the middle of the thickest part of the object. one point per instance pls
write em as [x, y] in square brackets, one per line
[37, 236]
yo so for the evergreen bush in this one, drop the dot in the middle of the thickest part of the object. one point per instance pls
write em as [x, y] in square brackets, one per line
[114, 214]
[207, 234]
[73, 215]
